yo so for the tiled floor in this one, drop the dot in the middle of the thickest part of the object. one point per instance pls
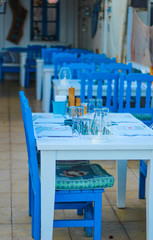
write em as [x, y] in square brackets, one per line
[15, 224]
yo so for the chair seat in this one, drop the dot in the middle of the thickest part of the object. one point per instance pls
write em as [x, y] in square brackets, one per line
[71, 162]
[143, 116]
[85, 176]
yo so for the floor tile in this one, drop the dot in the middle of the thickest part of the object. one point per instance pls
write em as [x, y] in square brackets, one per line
[20, 199]
[5, 232]
[20, 214]
[4, 175]
[5, 215]
[5, 187]
[131, 214]
[22, 232]
[132, 199]
[136, 230]
[5, 200]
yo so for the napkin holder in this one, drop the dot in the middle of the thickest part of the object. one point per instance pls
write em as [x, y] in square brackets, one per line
[59, 105]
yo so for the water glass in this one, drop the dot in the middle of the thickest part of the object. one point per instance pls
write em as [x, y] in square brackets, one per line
[72, 111]
[76, 125]
[85, 107]
[80, 111]
[65, 73]
[91, 105]
[85, 126]
[99, 102]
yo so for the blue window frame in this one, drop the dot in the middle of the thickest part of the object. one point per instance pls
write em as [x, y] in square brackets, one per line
[44, 21]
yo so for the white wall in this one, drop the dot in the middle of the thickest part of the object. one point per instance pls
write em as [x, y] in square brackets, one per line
[67, 23]
[115, 30]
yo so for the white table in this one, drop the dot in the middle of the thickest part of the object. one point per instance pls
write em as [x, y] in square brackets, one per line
[118, 148]
[23, 59]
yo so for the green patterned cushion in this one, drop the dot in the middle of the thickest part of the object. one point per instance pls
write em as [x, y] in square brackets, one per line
[86, 176]
[76, 162]
[143, 116]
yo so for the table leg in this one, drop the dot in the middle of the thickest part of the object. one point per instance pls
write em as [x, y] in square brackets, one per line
[121, 167]
[149, 200]
[47, 75]
[23, 58]
[48, 175]
[39, 77]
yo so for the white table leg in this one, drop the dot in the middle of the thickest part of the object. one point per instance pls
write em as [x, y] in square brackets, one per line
[47, 75]
[149, 200]
[23, 58]
[48, 175]
[121, 167]
[39, 77]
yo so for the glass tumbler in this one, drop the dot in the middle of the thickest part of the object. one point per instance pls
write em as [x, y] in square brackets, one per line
[99, 102]
[80, 111]
[72, 111]
[76, 125]
[85, 126]
[91, 105]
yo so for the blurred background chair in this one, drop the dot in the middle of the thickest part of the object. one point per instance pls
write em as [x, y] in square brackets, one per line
[140, 105]
[77, 68]
[33, 52]
[113, 67]
[107, 88]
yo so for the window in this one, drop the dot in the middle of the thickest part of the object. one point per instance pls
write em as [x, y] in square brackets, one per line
[44, 20]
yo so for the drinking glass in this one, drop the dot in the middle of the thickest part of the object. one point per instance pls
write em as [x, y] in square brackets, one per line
[80, 111]
[98, 125]
[91, 105]
[99, 102]
[72, 111]
[65, 73]
[85, 126]
[84, 104]
[76, 125]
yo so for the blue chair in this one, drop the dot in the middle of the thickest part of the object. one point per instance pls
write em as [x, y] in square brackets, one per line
[113, 67]
[62, 58]
[104, 82]
[77, 68]
[33, 52]
[140, 106]
[66, 199]
[79, 51]
[97, 58]
[60, 46]
[47, 54]
[23, 102]
[10, 60]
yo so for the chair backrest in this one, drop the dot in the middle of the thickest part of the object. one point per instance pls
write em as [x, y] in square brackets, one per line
[33, 52]
[106, 85]
[30, 142]
[135, 94]
[60, 46]
[47, 54]
[79, 51]
[62, 58]
[113, 67]
[77, 68]
[98, 58]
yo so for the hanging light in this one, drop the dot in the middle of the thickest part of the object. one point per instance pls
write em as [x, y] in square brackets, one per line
[52, 1]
